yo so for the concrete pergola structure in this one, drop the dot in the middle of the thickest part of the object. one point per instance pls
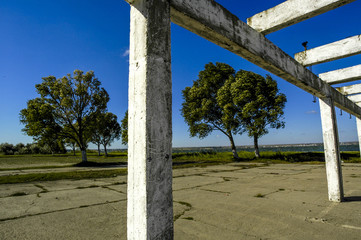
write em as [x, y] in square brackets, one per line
[150, 201]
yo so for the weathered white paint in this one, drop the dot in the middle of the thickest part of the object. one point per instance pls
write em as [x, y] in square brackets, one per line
[355, 98]
[211, 21]
[358, 124]
[347, 90]
[336, 50]
[342, 75]
[332, 152]
[150, 202]
[291, 12]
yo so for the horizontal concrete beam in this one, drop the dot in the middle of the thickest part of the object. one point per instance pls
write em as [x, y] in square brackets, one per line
[213, 22]
[291, 12]
[348, 90]
[355, 98]
[340, 49]
[342, 75]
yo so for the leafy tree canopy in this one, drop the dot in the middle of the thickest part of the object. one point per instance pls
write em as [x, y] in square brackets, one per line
[201, 109]
[124, 129]
[256, 101]
[69, 105]
[107, 129]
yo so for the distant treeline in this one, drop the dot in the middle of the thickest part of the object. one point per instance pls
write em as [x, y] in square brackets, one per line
[30, 148]
[313, 147]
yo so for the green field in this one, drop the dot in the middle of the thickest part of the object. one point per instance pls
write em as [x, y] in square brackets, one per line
[180, 160]
[57, 160]
[8, 162]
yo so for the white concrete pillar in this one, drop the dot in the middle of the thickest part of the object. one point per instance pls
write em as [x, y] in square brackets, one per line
[150, 200]
[358, 123]
[332, 152]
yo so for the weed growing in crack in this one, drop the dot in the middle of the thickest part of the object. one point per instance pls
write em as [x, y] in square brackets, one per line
[259, 195]
[18, 194]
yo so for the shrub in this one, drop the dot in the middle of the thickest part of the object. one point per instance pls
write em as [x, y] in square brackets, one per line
[7, 148]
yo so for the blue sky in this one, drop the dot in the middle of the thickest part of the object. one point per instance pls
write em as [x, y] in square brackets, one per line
[41, 38]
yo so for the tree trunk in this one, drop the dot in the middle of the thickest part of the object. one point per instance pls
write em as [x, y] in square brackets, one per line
[83, 156]
[233, 147]
[105, 150]
[74, 150]
[98, 149]
[256, 149]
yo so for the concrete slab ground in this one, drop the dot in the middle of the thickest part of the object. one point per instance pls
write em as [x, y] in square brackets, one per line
[233, 201]
[62, 169]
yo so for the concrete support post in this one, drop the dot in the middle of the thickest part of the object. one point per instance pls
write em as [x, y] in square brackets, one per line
[358, 123]
[332, 152]
[150, 200]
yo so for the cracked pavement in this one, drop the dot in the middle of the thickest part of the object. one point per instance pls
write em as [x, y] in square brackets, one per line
[232, 201]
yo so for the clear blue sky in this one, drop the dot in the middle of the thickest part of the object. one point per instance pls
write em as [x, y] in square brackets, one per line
[41, 38]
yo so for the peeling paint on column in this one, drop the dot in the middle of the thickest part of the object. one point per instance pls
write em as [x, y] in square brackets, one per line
[332, 152]
[358, 124]
[150, 200]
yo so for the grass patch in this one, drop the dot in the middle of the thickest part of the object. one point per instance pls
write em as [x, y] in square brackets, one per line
[188, 159]
[185, 204]
[12, 162]
[35, 167]
[180, 160]
[118, 183]
[259, 195]
[91, 186]
[77, 175]
[17, 194]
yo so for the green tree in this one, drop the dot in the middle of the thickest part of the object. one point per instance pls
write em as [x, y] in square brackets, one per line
[257, 102]
[69, 104]
[124, 128]
[69, 142]
[40, 123]
[18, 147]
[7, 148]
[201, 110]
[106, 131]
[96, 139]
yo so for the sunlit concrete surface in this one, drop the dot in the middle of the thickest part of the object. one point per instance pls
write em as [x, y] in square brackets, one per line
[342, 75]
[291, 12]
[233, 201]
[332, 150]
[329, 52]
[352, 89]
[150, 122]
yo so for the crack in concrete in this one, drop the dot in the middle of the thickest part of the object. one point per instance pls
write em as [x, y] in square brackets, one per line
[60, 210]
[45, 190]
[189, 207]
[198, 186]
[107, 187]
[215, 191]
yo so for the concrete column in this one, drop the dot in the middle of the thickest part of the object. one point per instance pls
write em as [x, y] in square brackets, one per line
[358, 123]
[150, 200]
[332, 151]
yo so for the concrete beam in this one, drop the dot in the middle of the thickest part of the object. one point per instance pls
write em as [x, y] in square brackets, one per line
[355, 98]
[342, 75]
[150, 202]
[213, 22]
[348, 90]
[332, 151]
[329, 52]
[291, 12]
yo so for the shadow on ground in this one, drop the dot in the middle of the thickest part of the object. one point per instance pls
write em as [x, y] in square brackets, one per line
[100, 164]
[352, 199]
